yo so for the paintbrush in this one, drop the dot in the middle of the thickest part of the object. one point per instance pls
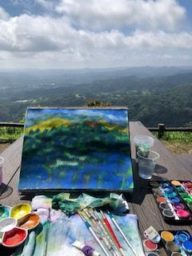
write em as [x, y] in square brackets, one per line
[106, 233]
[123, 235]
[93, 233]
[112, 234]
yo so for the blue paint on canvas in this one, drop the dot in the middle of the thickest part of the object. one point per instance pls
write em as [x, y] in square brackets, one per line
[76, 149]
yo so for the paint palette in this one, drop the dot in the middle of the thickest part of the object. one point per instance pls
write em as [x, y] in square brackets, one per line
[15, 222]
[14, 237]
[29, 221]
[4, 212]
[174, 199]
[177, 242]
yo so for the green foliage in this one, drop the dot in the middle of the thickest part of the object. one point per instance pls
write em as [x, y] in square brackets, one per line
[96, 103]
[185, 137]
[180, 137]
[9, 134]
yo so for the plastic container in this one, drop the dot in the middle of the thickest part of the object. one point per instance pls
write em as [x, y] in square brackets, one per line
[143, 144]
[146, 164]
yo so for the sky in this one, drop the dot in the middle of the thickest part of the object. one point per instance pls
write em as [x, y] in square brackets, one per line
[72, 34]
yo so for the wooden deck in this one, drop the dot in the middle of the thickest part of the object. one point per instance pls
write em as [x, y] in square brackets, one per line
[185, 160]
[141, 201]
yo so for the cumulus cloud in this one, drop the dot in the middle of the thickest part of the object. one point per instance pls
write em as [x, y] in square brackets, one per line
[27, 33]
[100, 14]
[92, 35]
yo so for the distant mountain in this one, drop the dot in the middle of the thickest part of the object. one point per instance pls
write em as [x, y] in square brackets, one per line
[152, 94]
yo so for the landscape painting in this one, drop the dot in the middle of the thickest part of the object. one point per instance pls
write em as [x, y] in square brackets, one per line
[76, 149]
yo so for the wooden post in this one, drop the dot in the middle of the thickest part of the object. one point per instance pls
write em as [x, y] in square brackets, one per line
[161, 130]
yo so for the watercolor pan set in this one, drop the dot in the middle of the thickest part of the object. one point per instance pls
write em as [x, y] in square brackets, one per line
[177, 243]
[174, 199]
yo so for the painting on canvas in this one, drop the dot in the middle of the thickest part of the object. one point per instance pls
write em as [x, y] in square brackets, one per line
[76, 149]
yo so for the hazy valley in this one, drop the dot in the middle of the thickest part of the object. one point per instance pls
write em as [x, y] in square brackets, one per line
[152, 95]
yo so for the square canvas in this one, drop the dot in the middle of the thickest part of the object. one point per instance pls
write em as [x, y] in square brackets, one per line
[76, 149]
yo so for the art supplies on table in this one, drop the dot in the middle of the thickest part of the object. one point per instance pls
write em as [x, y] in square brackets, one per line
[151, 234]
[76, 149]
[88, 232]
[110, 241]
[177, 242]
[70, 205]
[92, 231]
[151, 241]
[174, 199]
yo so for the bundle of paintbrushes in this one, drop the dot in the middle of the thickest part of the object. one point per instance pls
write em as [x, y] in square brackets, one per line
[107, 232]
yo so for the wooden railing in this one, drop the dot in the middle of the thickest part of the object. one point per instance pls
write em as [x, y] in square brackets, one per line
[14, 125]
[161, 129]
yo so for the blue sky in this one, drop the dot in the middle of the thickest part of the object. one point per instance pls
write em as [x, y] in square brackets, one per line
[95, 33]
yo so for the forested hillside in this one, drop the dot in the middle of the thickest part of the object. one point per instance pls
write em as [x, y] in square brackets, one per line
[153, 95]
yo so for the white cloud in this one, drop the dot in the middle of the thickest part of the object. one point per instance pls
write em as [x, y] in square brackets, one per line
[54, 41]
[42, 33]
[100, 14]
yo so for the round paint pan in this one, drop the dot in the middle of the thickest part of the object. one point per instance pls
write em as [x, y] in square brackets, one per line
[164, 206]
[29, 221]
[149, 245]
[183, 194]
[179, 206]
[7, 224]
[181, 237]
[167, 236]
[175, 200]
[14, 237]
[168, 190]
[187, 246]
[20, 210]
[157, 192]
[168, 214]
[161, 199]
[180, 189]
[176, 183]
[188, 199]
[4, 212]
[172, 247]
[152, 254]
[171, 195]
[165, 185]
[183, 214]
[189, 190]
[187, 184]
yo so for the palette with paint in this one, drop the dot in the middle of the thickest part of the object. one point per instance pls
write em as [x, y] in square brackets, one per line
[174, 199]
[177, 243]
[15, 223]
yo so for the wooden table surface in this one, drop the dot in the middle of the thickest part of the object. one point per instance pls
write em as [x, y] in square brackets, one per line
[141, 201]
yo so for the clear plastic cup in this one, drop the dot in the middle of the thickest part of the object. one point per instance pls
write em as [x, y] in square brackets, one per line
[146, 164]
[143, 144]
[1, 169]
